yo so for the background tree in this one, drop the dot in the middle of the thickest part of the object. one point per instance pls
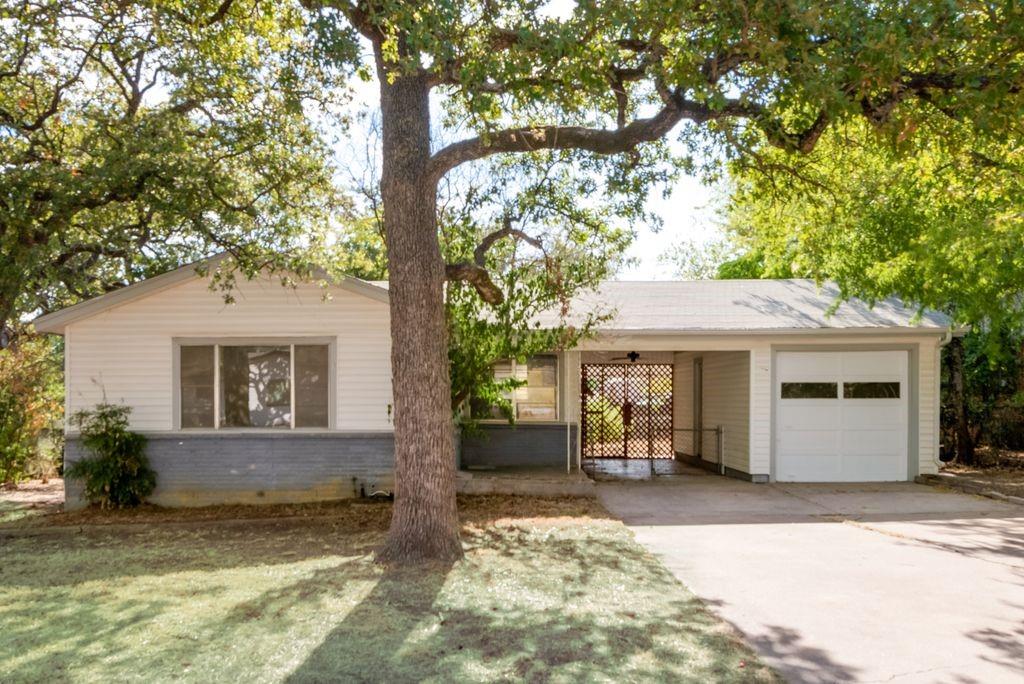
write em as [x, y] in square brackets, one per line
[692, 260]
[31, 405]
[529, 229]
[135, 137]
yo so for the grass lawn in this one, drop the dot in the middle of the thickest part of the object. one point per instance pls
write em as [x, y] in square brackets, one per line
[549, 590]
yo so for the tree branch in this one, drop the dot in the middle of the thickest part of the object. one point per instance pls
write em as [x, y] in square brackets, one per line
[596, 140]
[475, 272]
[357, 15]
[219, 14]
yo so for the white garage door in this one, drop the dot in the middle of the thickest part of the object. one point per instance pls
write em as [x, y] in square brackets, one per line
[841, 416]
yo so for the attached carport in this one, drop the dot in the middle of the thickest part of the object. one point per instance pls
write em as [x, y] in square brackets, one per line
[766, 380]
[773, 381]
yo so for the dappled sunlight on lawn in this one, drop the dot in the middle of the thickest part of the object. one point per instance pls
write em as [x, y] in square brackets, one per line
[538, 595]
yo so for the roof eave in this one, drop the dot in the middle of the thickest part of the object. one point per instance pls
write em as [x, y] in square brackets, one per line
[886, 330]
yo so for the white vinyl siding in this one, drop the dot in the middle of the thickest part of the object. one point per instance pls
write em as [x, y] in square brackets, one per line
[683, 441]
[726, 399]
[726, 403]
[929, 379]
[126, 354]
[761, 409]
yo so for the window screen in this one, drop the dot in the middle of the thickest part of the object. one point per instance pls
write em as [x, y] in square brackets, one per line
[538, 400]
[197, 386]
[255, 386]
[810, 390]
[871, 390]
[311, 384]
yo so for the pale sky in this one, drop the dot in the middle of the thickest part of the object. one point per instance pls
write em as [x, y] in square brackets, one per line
[687, 215]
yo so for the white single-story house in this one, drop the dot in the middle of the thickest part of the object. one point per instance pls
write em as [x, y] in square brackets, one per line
[285, 394]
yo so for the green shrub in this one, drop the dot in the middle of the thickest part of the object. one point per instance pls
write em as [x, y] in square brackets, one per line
[605, 422]
[117, 474]
[31, 405]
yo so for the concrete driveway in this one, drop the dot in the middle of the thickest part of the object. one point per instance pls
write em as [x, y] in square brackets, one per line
[871, 583]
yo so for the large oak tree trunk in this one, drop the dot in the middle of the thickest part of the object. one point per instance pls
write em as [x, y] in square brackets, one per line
[424, 525]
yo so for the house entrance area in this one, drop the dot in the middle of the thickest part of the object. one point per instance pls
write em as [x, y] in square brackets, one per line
[649, 414]
[627, 403]
[626, 410]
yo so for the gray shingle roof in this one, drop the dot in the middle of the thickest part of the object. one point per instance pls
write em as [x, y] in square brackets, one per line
[741, 305]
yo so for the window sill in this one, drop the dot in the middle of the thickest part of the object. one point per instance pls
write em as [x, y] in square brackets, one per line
[263, 433]
[520, 423]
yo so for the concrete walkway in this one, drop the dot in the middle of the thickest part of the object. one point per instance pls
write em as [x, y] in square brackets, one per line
[871, 583]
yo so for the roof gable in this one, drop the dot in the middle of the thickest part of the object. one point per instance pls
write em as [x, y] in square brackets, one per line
[56, 321]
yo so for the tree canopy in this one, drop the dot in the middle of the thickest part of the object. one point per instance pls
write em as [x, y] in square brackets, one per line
[135, 137]
[937, 220]
[540, 242]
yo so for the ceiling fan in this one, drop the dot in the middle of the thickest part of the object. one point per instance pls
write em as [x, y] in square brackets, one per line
[632, 356]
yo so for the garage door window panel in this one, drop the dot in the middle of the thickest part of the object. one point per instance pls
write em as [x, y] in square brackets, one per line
[810, 390]
[871, 390]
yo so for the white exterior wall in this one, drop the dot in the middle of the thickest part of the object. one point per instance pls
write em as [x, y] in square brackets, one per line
[125, 354]
[569, 391]
[682, 402]
[761, 408]
[930, 383]
[726, 402]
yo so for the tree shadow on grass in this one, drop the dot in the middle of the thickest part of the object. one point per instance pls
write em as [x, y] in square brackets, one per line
[44, 639]
[98, 554]
[449, 623]
[529, 602]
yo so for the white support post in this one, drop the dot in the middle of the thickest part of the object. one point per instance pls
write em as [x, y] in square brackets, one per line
[291, 385]
[216, 387]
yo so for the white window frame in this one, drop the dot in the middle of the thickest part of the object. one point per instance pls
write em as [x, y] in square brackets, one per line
[558, 396]
[218, 342]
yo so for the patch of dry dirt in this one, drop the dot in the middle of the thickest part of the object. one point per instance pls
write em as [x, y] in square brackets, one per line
[45, 500]
[32, 498]
[997, 470]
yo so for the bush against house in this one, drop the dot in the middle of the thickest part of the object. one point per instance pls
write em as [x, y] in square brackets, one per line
[31, 406]
[116, 473]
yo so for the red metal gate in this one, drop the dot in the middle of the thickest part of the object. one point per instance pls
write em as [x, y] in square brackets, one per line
[626, 410]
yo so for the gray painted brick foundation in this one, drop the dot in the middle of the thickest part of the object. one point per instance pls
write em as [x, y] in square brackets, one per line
[208, 469]
[519, 445]
[288, 467]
